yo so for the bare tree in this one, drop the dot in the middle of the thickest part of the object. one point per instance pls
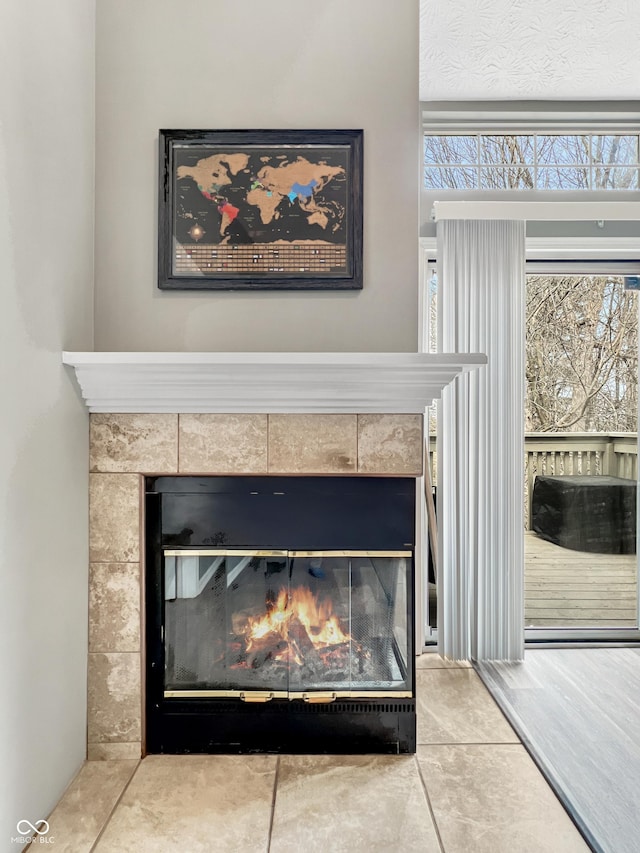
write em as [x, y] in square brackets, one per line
[531, 161]
[581, 354]
[581, 330]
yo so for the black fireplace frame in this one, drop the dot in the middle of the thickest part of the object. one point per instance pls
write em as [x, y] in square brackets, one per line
[285, 726]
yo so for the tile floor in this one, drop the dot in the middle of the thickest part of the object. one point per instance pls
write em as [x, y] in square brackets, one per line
[471, 788]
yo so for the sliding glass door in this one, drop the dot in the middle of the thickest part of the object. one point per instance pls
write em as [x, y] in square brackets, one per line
[581, 417]
[581, 457]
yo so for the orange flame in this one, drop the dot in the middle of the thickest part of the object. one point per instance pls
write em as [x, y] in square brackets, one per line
[320, 623]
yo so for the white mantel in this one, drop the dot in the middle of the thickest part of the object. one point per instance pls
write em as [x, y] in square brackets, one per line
[228, 382]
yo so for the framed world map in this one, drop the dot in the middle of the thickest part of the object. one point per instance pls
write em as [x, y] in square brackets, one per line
[260, 210]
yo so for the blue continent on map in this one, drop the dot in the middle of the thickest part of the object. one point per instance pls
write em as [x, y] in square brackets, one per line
[304, 190]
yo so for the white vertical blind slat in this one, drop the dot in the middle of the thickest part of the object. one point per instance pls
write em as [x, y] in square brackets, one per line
[481, 441]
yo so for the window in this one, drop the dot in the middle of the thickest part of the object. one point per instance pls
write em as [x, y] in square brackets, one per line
[532, 161]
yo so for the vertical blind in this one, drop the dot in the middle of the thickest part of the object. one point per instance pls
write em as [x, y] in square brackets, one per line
[481, 282]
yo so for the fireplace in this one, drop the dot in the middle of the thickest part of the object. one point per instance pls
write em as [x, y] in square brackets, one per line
[163, 421]
[279, 614]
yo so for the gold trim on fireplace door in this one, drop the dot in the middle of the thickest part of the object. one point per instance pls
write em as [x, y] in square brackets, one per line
[223, 552]
[349, 553]
[265, 696]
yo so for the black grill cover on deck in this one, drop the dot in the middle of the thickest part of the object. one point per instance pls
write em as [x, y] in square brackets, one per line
[586, 513]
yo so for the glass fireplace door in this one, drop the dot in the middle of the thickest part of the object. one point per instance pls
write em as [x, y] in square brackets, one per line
[269, 624]
[214, 637]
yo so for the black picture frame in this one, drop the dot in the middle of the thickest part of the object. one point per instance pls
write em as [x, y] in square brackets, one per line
[260, 210]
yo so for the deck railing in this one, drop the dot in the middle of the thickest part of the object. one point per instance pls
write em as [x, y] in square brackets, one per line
[614, 454]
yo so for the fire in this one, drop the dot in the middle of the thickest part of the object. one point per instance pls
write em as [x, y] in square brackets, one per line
[296, 624]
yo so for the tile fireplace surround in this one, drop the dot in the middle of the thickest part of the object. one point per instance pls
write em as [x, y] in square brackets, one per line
[340, 414]
[124, 447]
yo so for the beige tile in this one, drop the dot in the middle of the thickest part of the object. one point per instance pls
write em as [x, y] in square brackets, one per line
[114, 698]
[194, 803]
[390, 444]
[110, 751]
[312, 444]
[114, 518]
[351, 803]
[223, 444]
[129, 443]
[492, 799]
[77, 820]
[431, 660]
[114, 607]
[454, 706]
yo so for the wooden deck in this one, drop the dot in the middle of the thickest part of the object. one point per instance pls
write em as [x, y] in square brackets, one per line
[573, 589]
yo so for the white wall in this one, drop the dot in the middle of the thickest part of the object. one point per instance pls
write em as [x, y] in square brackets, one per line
[571, 49]
[46, 243]
[284, 64]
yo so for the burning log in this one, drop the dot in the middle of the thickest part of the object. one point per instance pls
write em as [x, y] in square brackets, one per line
[301, 645]
[295, 630]
[338, 654]
[267, 649]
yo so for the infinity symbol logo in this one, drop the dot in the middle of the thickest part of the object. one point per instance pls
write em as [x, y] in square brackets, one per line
[41, 827]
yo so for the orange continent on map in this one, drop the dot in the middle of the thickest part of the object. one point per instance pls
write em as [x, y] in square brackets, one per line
[211, 173]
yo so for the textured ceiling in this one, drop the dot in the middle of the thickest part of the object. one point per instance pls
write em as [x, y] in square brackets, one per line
[529, 49]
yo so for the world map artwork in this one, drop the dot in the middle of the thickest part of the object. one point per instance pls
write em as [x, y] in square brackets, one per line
[260, 211]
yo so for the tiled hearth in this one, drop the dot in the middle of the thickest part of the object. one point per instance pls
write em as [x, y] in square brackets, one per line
[125, 447]
[471, 787]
